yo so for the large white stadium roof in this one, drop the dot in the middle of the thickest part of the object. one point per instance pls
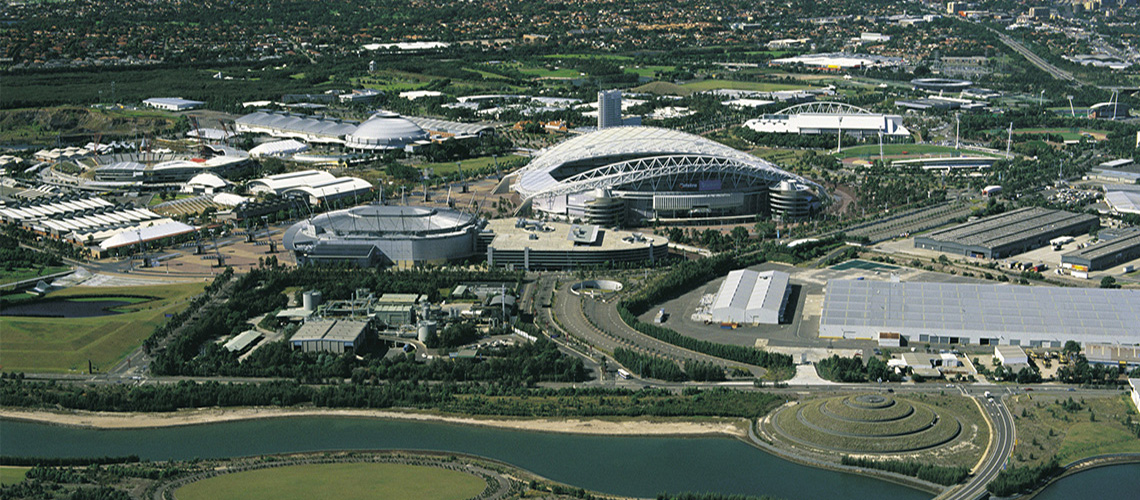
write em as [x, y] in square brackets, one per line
[621, 144]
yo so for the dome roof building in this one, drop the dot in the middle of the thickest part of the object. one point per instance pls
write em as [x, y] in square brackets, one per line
[385, 131]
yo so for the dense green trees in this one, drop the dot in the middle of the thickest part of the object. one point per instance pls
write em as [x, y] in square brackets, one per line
[649, 366]
[840, 369]
[937, 474]
[1014, 480]
[467, 398]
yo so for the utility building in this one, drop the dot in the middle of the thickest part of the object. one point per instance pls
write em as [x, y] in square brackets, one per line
[748, 296]
[335, 336]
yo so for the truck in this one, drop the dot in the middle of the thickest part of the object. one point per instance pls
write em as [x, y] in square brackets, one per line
[988, 395]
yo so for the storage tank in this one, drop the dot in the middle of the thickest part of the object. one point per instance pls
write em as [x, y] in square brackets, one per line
[310, 300]
[427, 327]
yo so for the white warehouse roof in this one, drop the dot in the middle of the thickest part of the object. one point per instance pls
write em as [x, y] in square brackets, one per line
[748, 296]
[282, 182]
[143, 234]
[966, 313]
[278, 148]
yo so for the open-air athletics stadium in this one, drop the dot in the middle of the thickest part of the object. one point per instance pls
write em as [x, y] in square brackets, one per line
[635, 175]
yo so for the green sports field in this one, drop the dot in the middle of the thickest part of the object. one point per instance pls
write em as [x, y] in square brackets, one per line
[340, 481]
[905, 150]
[65, 344]
[735, 85]
[12, 475]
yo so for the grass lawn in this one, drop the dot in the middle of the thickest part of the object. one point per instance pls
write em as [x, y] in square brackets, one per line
[1066, 133]
[12, 475]
[735, 85]
[589, 56]
[468, 164]
[65, 344]
[551, 73]
[1046, 429]
[24, 273]
[341, 481]
[648, 70]
[908, 150]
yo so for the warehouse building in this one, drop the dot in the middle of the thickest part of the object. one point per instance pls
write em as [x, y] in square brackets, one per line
[172, 103]
[530, 245]
[1123, 202]
[748, 296]
[1011, 355]
[981, 314]
[1123, 246]
[1123, 356]
[335, 336]
[1007, 234]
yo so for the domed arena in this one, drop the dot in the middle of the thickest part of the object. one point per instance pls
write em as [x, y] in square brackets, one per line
[385, 130]
[637, 175]
[377, 234]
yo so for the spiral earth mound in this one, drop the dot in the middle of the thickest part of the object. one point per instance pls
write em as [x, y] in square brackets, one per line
[867, 423]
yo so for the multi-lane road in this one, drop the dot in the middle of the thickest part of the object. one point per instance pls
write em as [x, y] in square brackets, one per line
[1002, 440]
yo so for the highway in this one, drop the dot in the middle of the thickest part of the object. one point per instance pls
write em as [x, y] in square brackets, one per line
[1002, 441]
[1044, 65]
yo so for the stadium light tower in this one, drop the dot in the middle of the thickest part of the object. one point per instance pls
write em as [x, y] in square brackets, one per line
[1071, 109]
[957, 129]
[839, 140]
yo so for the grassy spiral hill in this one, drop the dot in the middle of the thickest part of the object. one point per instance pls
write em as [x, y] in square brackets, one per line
[881, 424]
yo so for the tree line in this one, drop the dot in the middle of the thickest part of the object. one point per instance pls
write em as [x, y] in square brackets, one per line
[938, 474]
[491, 399]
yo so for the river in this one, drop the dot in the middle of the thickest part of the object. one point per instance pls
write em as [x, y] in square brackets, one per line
[1114, 481]
[633, 466]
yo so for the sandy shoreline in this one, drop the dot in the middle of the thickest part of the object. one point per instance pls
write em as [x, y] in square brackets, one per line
[137, 420]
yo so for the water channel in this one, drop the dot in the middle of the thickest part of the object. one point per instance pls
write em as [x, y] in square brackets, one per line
[1114, 481]
[64, 308]
[633, 466]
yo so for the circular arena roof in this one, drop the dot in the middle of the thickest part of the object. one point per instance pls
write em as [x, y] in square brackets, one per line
[615, 156]
[385, 131]
[375, 222]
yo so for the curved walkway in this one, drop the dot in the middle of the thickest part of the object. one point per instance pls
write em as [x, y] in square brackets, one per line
[498, 486]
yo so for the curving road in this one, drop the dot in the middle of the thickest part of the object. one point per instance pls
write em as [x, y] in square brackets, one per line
[1002, 441]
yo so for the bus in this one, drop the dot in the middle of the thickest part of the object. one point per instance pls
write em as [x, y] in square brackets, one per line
[623, 374]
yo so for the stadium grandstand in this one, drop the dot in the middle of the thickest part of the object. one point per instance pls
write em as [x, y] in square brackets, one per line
[634, 175]
[826, 117]
[376, 234]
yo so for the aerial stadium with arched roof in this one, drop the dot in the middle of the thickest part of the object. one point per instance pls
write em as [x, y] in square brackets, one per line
[634, 175]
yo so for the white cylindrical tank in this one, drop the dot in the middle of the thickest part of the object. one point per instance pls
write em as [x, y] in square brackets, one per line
[310, 300]
[427, 327]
